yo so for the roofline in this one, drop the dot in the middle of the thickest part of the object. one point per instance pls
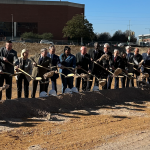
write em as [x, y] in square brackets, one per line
[144, 35]
[63, 3]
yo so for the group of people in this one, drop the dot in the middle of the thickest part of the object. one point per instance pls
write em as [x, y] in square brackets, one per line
[67, 63]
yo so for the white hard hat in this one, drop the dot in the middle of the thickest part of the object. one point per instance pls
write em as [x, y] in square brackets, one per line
[52, 92]
[74, 90]
[43, 94]
[95, 88]
[68, 90]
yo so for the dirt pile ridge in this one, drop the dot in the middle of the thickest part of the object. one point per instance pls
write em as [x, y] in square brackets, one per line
[37, 107]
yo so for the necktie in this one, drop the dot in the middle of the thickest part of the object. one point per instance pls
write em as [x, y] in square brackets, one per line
[51, 56]
[41, 60]
[114, 59]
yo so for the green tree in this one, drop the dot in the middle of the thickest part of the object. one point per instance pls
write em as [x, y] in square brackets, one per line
[78, 27]
[30, 35]
[105, 36]
[47, 36]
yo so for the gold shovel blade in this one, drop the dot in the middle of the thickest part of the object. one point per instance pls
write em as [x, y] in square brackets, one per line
[38, 78]
[130, 74]
[120, 76]
[70, 75]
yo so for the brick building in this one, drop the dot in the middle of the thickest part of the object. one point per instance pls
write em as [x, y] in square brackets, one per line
[36, 16]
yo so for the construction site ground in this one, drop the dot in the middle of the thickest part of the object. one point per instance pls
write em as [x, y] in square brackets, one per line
[110, 126]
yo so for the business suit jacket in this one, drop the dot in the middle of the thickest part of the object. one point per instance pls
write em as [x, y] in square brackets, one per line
[117, 63]
[136, 60]
[146, 62]
[27, 68]
[85, 62]
[124, 63]
[38, 70]
[107, 63]
[130, 60]
[12, 57]
[95, 56]
[54, 62]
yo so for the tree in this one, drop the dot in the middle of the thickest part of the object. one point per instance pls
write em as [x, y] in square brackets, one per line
[47, 36]
[30, 35]
[132, 36]
[78, 27]
[105, 36]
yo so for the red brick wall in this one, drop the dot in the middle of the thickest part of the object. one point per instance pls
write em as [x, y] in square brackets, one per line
[50, 18]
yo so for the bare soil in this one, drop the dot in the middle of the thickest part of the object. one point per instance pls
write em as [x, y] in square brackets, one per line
[105, 120]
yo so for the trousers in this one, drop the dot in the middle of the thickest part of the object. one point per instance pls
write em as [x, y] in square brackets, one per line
[8, 80]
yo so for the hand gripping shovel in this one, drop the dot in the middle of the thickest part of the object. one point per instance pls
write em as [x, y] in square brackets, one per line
[37, 78]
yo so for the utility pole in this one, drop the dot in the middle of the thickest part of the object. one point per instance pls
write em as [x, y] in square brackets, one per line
[12, 26]
[83, 24]
[129, 37]
[148, 29]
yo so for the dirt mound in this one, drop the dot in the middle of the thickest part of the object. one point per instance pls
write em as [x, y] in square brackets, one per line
[37, 107]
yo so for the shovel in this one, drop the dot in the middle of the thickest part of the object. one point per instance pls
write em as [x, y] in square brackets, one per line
[37, 78]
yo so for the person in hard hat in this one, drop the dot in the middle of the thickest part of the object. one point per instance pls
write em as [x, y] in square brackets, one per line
[55, 61]
[7, 54]
[42, 60]
[82, 61]
[26, 65]
[67, 60]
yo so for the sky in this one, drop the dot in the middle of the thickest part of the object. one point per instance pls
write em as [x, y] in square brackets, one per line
[112, 15]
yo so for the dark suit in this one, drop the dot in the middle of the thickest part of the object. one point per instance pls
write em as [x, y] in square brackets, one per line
[106, 65]
[146, 63]
[123, 66]
[39, 72]
[85, 63]
[116, 63]
[96, 70]
[55, 60]
[6, 67]
[130, 68]
[136, 60]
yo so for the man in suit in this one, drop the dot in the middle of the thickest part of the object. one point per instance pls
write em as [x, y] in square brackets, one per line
[82, 61]
[95, 54]
[43, 60]
[106, 64]
[116, 63]
[7, 54]
[146, 57]
[129, 66]
[54, 62]
[136, 60]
